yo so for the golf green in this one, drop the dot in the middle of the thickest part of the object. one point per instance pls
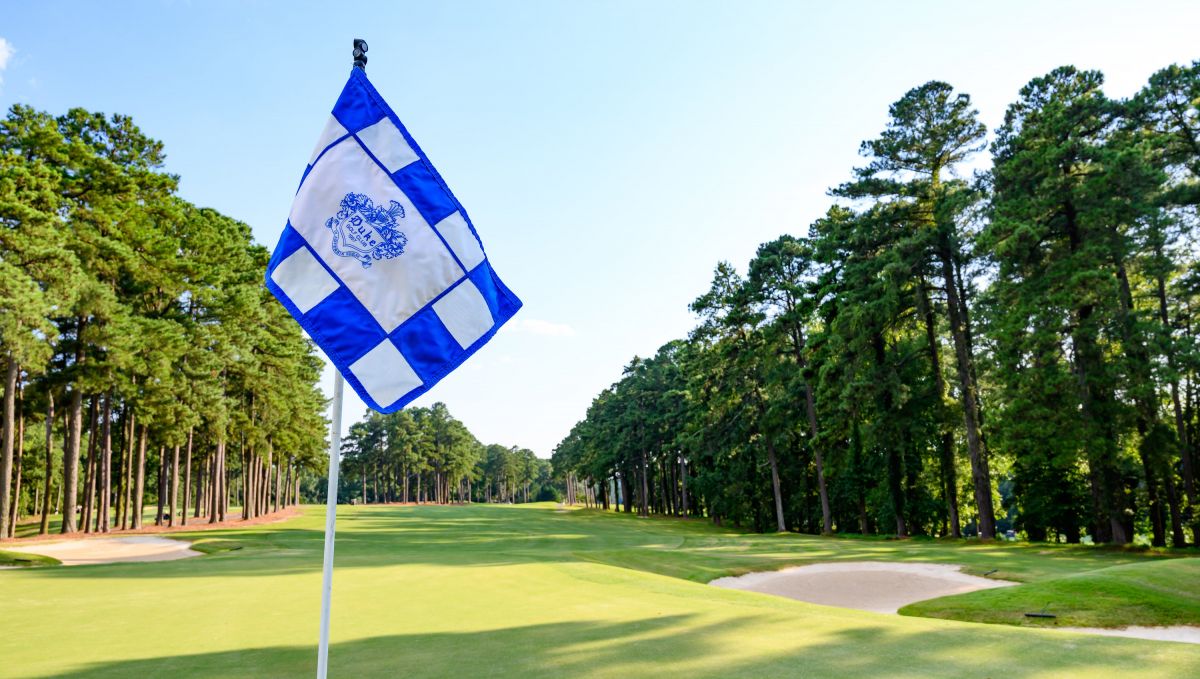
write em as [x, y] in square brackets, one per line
[530, 591]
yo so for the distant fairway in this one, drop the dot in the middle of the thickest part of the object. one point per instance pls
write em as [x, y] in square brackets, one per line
[528, 591]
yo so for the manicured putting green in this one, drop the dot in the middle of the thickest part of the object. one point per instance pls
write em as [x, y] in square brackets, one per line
[528, 591]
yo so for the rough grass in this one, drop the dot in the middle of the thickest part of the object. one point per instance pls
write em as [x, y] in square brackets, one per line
[503, 591]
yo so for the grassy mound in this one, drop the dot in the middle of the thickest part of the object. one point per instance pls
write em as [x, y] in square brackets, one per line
[23, 559]
[1163, 592]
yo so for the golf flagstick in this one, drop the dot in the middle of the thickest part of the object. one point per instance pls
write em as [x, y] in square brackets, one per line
[331, 493]
[335, 444]
[381, 266]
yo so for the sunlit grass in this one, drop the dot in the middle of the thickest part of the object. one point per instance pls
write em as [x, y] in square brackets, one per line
[520, 591]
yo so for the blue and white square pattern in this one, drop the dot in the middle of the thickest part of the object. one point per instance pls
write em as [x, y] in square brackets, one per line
[379, 262]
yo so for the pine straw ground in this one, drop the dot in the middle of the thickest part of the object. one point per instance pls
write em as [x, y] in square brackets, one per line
[528, 591]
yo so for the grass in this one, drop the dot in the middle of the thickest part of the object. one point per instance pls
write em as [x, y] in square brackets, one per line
[1151, 593]
[22, 559]
[530, 591]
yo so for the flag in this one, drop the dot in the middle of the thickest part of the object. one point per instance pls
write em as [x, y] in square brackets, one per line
[379, 262]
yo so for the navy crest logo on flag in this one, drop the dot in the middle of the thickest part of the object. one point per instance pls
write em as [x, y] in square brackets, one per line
[365, 231]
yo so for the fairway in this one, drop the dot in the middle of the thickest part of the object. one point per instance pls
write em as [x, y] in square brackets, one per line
[527, 591]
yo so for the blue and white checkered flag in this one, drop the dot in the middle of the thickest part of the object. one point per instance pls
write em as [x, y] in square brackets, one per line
[379, 262]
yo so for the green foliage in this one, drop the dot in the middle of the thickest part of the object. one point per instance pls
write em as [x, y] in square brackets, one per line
[120, 300]
[935, 339]
[426, 455]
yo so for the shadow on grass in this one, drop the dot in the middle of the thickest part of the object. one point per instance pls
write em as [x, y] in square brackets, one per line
[669, 646]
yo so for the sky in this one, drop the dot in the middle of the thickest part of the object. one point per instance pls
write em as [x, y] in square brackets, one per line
[609, 153]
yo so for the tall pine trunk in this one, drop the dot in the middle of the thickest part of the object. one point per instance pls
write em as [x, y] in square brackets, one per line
[127, 468]
[976, 449]
[140, 483]
[222, 481]
[45, 526]
[103, 519]
[89, 476]
[948, 466]
[161, 483]
[683, 496]
[645, 506]
[18, 464]
[775, 486]
[1181, 430]
[810, 409]
[174, 485]
[1094, 398]
[187, 480]
[70, 483]
[6, 456]
[894, 457]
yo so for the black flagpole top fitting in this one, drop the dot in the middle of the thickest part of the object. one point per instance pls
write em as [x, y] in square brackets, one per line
[360, 53]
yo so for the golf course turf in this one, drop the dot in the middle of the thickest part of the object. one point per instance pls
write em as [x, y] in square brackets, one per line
[534, 591]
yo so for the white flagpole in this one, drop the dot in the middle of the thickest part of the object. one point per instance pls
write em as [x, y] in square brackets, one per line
[335, 453]
[335, 446]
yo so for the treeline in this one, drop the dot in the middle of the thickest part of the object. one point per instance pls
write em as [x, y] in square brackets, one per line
[947, 354]
[144, 362]
[426, 455]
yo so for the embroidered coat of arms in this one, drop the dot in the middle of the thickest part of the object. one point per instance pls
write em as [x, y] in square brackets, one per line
[365, 231]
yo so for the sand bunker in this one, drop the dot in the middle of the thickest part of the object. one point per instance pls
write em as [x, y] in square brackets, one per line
[111, 550]
[882, 587]
[886, 587]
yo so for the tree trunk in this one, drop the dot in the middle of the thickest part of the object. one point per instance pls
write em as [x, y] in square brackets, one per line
[683, 498]
[645, 508]
[89, 474]
[187, 480]
[1145, 398]
[1181, 430]
[127, 470]
[810, 407]
[980, 467]
[779, 524]
[1101, 446]
[161, 487]
[70, 485]
[214, 485]
[1177, 537]
[18, 464]
[45, 527]
[626, 491]
[223, 481]
[174, 485]
[266, 495]
[894, 461]
[949, 470]
[247, 505]
[140, 483]
[278, 484]
[6, 455]
[201, 488]
[103, 518]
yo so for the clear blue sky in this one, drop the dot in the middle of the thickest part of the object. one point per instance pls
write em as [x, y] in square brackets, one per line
[610, 153]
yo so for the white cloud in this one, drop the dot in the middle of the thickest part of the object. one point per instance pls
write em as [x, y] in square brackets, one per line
[6, 52]
[535, 326]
